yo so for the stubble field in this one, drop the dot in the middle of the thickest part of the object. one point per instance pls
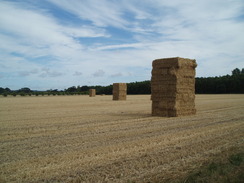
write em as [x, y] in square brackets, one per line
[95, 139]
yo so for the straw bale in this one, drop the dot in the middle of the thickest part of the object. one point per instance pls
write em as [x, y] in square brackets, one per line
[119, 91]
[92, 92]
[173, 87]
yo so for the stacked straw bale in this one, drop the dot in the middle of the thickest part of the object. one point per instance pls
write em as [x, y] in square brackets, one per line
[173, 87]
[92, 92]
[119, 91]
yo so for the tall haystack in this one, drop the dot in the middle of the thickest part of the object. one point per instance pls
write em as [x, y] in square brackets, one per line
[173, 87]
[92, 92]
[119, 91]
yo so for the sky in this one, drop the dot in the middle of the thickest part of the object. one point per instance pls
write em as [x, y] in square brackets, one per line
[56, 44]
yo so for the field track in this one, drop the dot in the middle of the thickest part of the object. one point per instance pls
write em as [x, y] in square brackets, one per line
[95, 139]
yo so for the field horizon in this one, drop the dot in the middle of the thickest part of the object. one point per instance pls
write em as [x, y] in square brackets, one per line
[95, 139]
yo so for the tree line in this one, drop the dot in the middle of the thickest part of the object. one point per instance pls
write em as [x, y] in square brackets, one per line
[223, 84]
[233, 83]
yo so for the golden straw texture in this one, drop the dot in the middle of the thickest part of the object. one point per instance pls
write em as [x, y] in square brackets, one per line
[119, 91]
[173, 87]
[92, 92]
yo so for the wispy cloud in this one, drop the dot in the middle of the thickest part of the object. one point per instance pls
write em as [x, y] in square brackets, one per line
[117, 74]
[100, 12]
[77, 73]
[27, 73]
[99, 73]
[46, 72]
[128, 46]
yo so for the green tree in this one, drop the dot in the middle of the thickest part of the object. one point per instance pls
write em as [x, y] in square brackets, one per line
[71, 89]
[25, 90]
[84, 88]
[236, 71]
[2, 90]
[5, 90]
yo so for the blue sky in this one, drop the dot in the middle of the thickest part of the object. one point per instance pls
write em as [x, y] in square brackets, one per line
[55, 44]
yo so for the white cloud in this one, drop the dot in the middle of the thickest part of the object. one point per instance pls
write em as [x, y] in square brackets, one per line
[34, 33]
[33, 38]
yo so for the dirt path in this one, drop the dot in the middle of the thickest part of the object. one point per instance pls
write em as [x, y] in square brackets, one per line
[95, 139]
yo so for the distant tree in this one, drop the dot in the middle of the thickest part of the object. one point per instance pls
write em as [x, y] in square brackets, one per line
[5, 90]
[105, 90]
[71, 89]
[84, 88]
[25, 90]
[236, 71]
[2, 90]
[221, 84]
[143, 87]
[221, 88]
[22, 94]
[78, 89]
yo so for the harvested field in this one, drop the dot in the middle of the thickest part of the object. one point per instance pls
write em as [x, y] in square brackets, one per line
[83, 139]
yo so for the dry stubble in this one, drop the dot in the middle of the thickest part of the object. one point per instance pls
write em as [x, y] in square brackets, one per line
[83, 139]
